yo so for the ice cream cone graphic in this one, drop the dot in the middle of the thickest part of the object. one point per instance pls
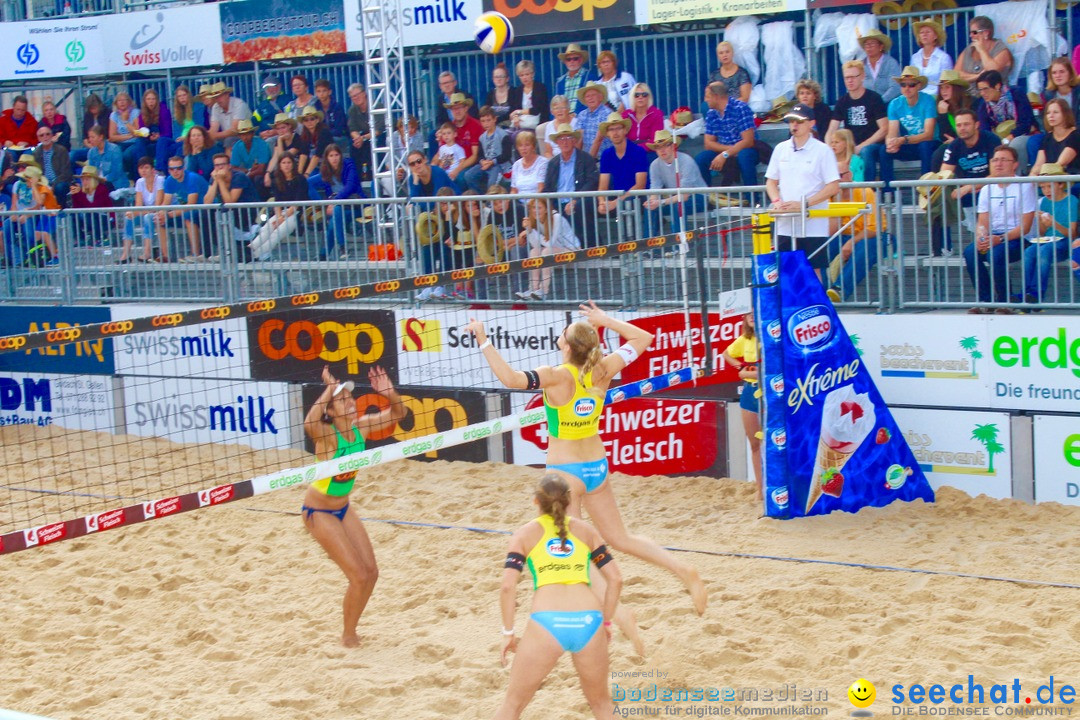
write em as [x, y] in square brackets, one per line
[846, 419]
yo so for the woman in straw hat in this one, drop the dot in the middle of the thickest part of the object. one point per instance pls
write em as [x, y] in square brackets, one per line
[336, 429]
[880, 66]
[1056, 216]
[86, 192]
[31, 192]
[316, 135]
[930, 58]
[288, 143]
[1061, 141]
[952, 97]
[566, 616]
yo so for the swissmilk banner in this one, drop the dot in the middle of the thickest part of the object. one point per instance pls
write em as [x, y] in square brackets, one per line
[830, 441]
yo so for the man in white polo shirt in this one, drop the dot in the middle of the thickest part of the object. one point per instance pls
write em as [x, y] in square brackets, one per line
[802, 167]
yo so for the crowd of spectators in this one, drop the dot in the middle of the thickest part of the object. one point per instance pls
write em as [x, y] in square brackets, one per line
[601, 128]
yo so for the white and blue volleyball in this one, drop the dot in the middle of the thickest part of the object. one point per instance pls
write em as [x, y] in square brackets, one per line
[494, 33]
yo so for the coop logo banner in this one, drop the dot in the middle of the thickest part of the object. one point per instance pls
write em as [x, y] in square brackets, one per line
[90, 357]
[1057, 459]
[200, 411]
[841, 447]
[535, 17]
[52, 48]
[428, 412]
[167, 38]
[78, 402]
[423, 22]
[965, 450]
[211, 350]
[295, 345]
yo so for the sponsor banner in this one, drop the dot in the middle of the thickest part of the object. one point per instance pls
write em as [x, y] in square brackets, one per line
[641, 436]
[965, 450]
[429, 412]
[536, 17]
[423, 22]
[70, 353]
[187, 410]
[297, 344]
[212, 350]
[79, 402]
[434, 350]
[1057, 459]
[166, 38]
[830, 441]
[674, 11]
[52, 48]
[270, 29]
[1004, 362]
[668, 349]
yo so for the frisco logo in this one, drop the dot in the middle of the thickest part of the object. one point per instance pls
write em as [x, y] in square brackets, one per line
[557, 548]
[773, 330]
[646, 387]
[215, 496]
[104, 521]
[673, 379]
[770, 273]
[811, 328]
[777, 384]
[779, 437]
[584, 407]
[780, 497]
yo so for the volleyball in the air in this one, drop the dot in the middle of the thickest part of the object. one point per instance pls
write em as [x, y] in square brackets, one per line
[494, 33]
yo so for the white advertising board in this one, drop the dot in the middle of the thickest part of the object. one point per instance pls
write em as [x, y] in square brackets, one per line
[52, 48]
[204, 411]
[965, 450]
[188, 36]
[79, 402]
[1057, 458]
[424, 22]
[212, 350]
[1034, 362]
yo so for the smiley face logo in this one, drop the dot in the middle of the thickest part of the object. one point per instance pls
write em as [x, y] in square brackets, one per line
[862, 693]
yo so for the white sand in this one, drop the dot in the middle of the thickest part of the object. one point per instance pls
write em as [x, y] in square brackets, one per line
[230, 613]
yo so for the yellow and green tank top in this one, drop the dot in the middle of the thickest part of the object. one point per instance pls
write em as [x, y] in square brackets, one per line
[553, 562]
[580, 417]
[341, 485]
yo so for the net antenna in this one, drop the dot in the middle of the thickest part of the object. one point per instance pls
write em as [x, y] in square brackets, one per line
[683, 248]
[384, 76]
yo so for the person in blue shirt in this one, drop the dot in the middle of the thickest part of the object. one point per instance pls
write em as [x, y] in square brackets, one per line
[623, 167]
[107, 157]
[333, 113]
[1056, 217]
[232, 186]
[183, 187]
[729, 139]
[250, 154]
[425, 181]
[268, 108]
[199, 151]
[912, 125]
[336, 179]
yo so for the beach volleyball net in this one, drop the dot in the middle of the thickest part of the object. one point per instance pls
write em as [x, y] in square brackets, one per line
[205, 405]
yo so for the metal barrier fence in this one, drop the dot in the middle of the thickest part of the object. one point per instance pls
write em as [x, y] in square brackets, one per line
[941, 264]
[229, 253]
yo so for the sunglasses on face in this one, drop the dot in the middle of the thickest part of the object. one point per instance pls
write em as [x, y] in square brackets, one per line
[641, 94]
[909, 84]
[414, 163]
[973, 33]
[174, 168]
[573, 58]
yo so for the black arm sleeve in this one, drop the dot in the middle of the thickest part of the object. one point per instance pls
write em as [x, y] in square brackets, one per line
[600, 556]
[514, 561]
[533, 379]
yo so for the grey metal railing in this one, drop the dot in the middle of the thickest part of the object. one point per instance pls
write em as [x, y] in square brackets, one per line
[215, 253]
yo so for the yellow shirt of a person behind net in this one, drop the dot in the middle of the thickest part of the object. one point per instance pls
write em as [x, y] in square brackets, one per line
[865, 223]
[745, 349]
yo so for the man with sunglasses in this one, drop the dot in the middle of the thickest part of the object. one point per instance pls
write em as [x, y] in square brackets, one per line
[183, 187]
[575, 59]
[912, 118]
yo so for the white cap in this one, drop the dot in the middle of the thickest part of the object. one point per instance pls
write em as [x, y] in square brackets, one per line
[347, 386]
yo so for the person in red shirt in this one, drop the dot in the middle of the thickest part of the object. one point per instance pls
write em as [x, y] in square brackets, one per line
[17, 126]
[469, 130]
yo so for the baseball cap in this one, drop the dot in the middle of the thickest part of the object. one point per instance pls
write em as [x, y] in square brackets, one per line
[270, 80]
[347, 386]
[800, 112]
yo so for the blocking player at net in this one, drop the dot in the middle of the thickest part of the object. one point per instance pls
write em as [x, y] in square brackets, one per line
[574, 393]
[337, 430]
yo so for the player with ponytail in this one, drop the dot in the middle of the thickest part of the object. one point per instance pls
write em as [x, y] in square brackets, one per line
[562, 554]
[574, 399]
